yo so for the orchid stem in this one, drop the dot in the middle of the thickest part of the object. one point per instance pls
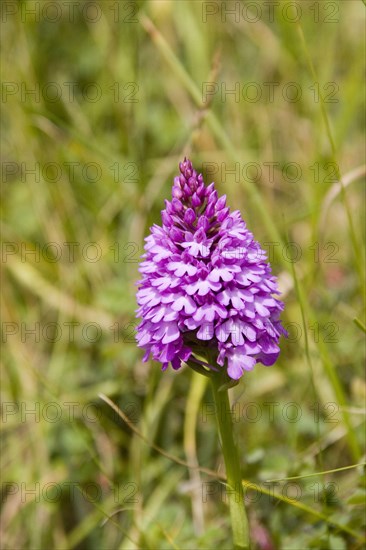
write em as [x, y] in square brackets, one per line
[239, 521]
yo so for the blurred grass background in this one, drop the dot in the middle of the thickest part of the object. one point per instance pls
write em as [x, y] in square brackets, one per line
[117, 102]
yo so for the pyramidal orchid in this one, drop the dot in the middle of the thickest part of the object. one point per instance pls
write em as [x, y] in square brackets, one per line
[207, 299]
[207, 296]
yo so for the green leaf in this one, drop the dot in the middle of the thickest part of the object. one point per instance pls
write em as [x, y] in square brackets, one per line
[358, 497]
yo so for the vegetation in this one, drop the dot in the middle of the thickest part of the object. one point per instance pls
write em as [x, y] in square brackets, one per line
[101, 100]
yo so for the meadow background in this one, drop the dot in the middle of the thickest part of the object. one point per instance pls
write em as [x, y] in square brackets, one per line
[100, 102]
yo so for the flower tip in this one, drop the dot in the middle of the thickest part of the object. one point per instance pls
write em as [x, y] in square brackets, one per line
[189, 216]
[209, 189]
[221, 203]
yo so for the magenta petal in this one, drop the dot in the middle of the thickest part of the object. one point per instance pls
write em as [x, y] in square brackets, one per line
[237, 363]
[176, 363]
[205, 332]
[234, 369]
[178, 304]
[268, 359]
[186, 303]
[249, 332]
[261, 309]
[189, 306]
[222, 332]
[171, 333]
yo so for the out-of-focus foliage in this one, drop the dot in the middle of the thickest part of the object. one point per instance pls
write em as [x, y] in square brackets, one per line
[100, 102]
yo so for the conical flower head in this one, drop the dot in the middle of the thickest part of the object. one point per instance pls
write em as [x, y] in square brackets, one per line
[206, 292]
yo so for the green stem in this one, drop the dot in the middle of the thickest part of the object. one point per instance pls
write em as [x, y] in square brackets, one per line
[239, 521]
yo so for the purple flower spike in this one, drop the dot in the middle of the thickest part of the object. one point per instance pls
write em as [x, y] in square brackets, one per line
[207, 293]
